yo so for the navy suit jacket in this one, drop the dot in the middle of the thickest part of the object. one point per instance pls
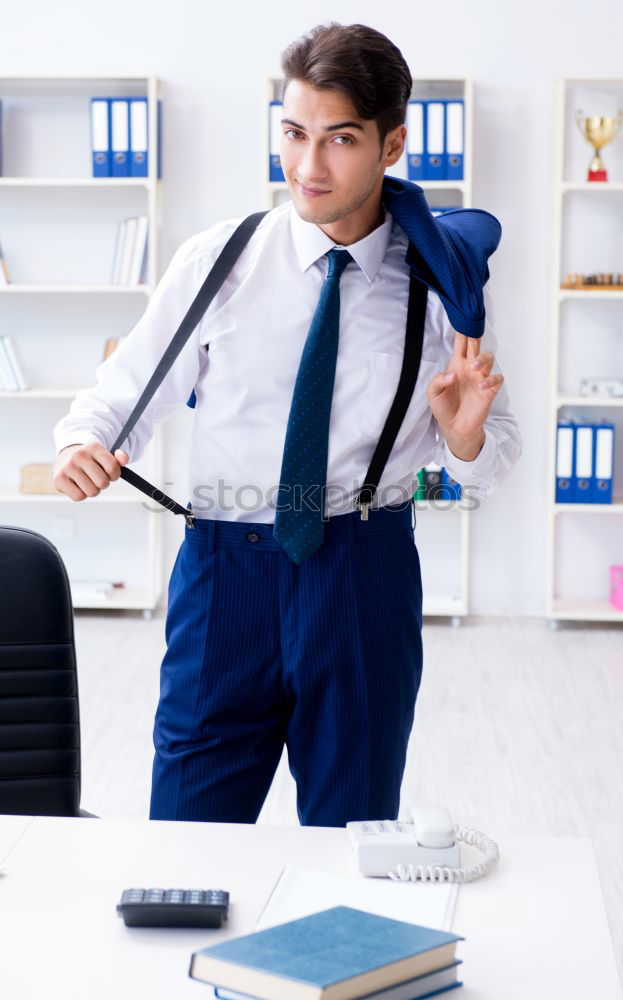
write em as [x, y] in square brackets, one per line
[449, 252]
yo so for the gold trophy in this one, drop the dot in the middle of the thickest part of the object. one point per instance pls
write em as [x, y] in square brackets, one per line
[598, 130]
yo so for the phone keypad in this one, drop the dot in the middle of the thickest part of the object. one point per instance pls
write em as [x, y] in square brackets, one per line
[370, 828]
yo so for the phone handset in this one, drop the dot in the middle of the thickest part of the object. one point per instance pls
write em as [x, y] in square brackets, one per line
[426, 849]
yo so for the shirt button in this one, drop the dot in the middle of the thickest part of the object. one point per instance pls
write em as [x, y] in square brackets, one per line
[252, 536]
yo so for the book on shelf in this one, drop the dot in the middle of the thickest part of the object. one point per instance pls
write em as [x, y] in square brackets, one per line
[12, 378]
[335, 953]
[94, 590]
[435, 138]
[130, 258]
[36, 477]
[5, 278]
[585, 454]
[435, 483]
[120, 145]
[112, 343]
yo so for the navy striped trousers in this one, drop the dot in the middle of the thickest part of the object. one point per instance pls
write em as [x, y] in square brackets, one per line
[325, 657]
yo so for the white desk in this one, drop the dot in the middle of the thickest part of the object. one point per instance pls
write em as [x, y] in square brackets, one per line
[535, 930]
[11, 829]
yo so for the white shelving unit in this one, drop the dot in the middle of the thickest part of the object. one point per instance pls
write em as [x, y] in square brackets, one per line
[584, 539]
[58, 229]
[446, 586]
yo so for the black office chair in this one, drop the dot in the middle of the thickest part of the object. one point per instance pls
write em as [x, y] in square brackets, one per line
[39, 716]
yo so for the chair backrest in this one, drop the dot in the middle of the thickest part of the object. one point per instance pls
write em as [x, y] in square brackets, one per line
[39, 718]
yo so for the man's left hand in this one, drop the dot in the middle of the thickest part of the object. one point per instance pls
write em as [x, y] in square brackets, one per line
[461, 396]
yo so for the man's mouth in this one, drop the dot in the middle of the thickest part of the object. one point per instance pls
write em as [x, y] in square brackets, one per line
[311, 191]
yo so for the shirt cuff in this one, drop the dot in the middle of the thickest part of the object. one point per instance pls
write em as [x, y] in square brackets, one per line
[79, 437]
[478, 472]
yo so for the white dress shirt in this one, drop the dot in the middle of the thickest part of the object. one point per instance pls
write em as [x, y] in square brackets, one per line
[243, 358]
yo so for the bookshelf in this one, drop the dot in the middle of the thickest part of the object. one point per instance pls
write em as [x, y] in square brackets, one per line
[58, 232]
[584, 539]
[442, 526]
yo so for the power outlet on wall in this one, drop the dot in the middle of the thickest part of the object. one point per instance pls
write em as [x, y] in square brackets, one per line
[62, 528]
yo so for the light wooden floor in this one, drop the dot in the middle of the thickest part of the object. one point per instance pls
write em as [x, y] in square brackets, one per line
[517, 730]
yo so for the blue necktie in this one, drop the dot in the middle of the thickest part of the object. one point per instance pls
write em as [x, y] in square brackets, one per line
[298, 527]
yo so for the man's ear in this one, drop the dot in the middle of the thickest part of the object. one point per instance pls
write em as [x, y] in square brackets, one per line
[394, 144]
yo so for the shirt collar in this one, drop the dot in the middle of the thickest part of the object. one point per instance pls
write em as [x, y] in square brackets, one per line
[311, 243]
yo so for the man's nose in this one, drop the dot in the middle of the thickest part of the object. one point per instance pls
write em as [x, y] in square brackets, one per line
[311, 165]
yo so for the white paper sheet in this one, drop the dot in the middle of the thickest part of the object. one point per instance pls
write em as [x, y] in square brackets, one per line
[301, 891]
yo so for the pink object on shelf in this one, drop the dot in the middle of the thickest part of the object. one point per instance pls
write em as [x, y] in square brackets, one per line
[616, 587]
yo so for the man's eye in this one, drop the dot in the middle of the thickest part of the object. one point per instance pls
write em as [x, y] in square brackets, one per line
[292, 131]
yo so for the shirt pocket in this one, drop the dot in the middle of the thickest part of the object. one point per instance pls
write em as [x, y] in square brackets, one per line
[378, 395]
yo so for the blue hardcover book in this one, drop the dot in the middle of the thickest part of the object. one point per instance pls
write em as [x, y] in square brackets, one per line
[603, 447]
[120, 136]
[583, 463]
[419, 988]
[416, 139]
[100, 137]
[565, 448]
[455, 139]
[275, 173]
[319, 956]
[435, 156]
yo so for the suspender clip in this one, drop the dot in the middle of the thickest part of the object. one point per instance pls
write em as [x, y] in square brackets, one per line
[363, 506]
[189, 517]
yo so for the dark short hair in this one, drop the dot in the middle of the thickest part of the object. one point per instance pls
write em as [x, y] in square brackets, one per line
[359, 61]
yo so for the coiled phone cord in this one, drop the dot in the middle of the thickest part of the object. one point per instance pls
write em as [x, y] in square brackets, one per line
[439, 873]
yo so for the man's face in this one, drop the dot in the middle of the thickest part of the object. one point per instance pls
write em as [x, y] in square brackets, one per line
[344, 163]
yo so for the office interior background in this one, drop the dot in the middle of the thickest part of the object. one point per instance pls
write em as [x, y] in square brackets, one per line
[518, 718]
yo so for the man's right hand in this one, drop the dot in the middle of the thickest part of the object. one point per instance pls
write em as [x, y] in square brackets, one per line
[84, 470]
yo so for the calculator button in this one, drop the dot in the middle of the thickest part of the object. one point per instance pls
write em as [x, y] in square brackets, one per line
[133, 896]
[154, 895]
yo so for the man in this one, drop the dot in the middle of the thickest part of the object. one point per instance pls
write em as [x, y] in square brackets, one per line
[289, 623]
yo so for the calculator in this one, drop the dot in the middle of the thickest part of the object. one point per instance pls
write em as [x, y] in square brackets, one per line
[173, 907]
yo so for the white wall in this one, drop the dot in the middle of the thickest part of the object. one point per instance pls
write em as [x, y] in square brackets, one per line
[214, 58]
